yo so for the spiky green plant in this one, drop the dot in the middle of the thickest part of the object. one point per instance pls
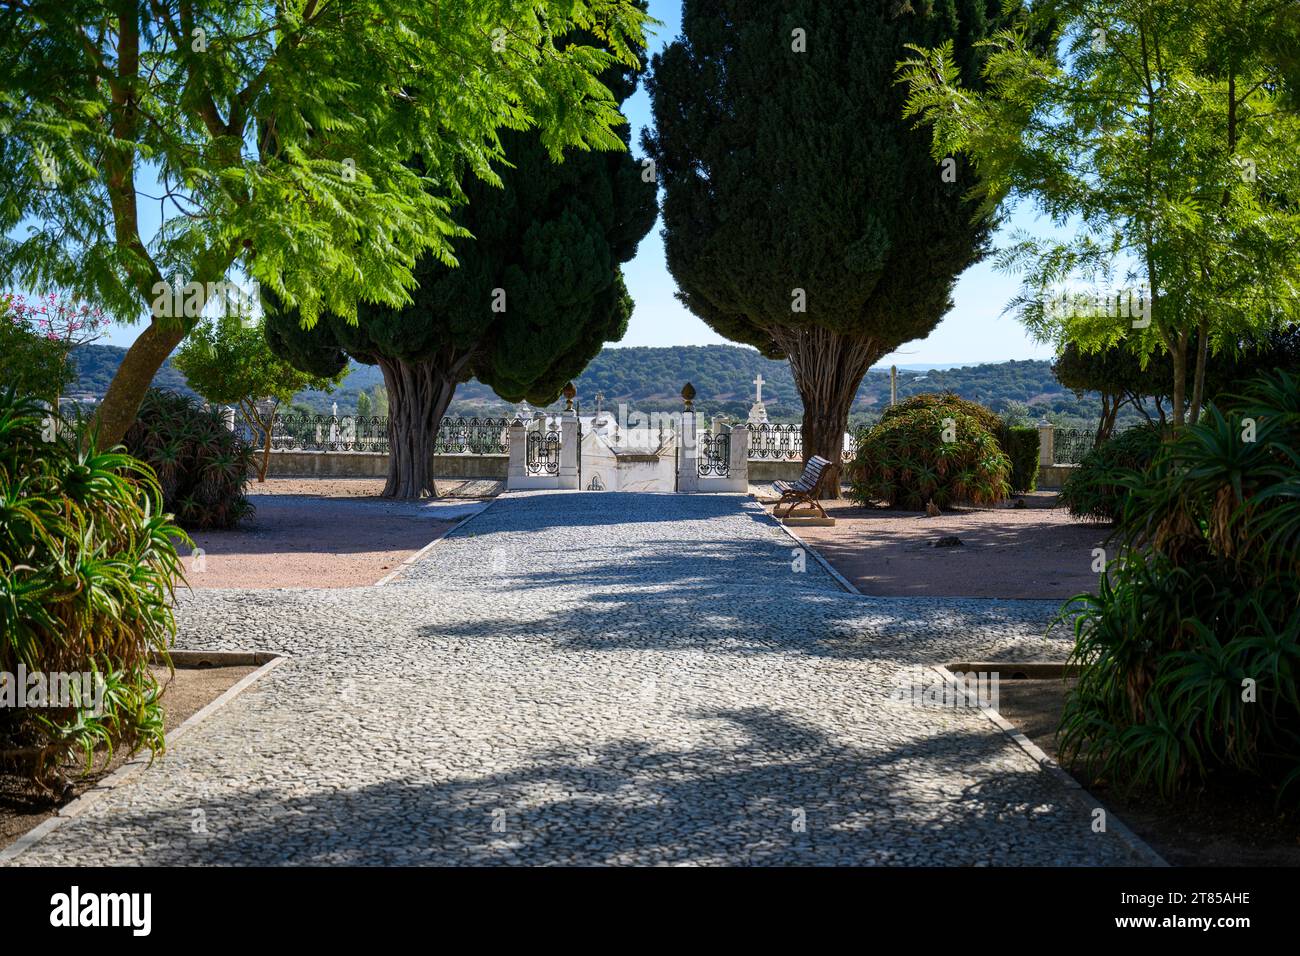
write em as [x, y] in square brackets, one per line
[1094, 490]
[1190, 649]
[931, 448]
[88, 569]
[203, 467]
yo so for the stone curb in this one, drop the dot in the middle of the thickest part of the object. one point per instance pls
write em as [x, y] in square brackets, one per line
[1146, 856]
[133, 766]
[839, 578]
[393, 575]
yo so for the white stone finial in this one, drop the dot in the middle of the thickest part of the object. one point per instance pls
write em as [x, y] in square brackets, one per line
[758, 384]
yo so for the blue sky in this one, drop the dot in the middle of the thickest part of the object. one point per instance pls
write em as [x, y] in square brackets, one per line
[974, 331]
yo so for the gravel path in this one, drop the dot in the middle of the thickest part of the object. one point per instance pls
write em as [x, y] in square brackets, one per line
[597, 679]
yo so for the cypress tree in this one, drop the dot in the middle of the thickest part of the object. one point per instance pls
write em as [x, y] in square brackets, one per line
[803, 215]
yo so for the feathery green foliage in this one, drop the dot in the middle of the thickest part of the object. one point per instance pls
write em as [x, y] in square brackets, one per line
[537, 292]
[280, 136]
[228, 362]
[1162, 133]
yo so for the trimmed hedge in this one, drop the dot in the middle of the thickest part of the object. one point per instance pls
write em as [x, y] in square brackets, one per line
[1021, 446]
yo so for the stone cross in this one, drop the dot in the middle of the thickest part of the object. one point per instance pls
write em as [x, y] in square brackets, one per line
[758, 395]
[599, 398]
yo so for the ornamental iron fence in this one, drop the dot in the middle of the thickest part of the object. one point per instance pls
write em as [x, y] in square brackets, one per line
[1069, 445]
[714, 459]
[542, 451]
[776, 442]
[329, 433]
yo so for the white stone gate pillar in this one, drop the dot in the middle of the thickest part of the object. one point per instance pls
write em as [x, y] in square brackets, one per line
[688, 451]
[738, 471]
[518, 450]
[1046, 444]
[569, 450]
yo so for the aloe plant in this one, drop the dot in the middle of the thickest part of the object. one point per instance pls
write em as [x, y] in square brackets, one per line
[1190, 649]
[936, 448]
[88, 570]
[203, 467]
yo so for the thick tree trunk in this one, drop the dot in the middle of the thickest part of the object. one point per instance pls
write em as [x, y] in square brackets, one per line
[134, 376]
[828, 368]
[418, 396]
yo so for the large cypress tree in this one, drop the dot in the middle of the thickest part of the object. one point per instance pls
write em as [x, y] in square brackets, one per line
[803, 215]
[536, 292]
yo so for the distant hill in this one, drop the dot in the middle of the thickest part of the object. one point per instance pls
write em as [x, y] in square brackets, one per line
[651, 379]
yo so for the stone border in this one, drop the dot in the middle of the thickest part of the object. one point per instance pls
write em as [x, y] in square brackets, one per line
[123, 774]
[1141, 849]
[1145, 854]
[392, 575]
[840, 579]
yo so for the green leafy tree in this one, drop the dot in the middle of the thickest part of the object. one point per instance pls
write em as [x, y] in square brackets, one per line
[364, 405]
[803, 215]
[1124, 379]
[381, 402]
[31, 364]
[1163, 135]
[279, 138]
[228, 362]
[537, 293]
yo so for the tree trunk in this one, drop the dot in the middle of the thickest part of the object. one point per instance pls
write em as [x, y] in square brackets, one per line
[828, 368]
[1180, 380]
[418, 396]
[134, 376]
[1198, 382]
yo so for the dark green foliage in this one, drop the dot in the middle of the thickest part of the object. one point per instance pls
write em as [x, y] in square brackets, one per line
[1095, 490]
[1021, 446]
[792, 170]
[1119, 374]
[803, 214]
[202, 466]
[88, 567]
[1190, 650]
[946, 401]
[905, 462]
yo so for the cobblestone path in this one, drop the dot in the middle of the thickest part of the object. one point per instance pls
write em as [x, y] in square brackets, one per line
[596, 679]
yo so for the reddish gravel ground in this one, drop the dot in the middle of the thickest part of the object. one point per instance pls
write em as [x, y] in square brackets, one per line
[1014, 553]
[320, 533]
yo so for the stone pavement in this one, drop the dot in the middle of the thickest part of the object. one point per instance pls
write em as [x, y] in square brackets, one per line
[596, 679]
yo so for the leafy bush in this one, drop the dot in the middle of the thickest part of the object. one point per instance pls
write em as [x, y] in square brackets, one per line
[1094, 490]
[202, 466]
[88, 567]
[987, 419]
[1190, 650]
[905, 462]
[31, 363]
[1021, 445]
